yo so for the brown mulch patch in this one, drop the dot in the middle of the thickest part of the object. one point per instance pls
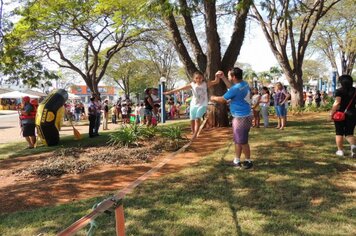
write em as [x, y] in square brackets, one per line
[72, 174]
[76, 160]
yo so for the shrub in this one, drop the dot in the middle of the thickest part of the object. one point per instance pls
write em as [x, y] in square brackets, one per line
[147, 132]
[130, 134]
[328, 104]
[172, 132]
[123, 137]
[271, 111]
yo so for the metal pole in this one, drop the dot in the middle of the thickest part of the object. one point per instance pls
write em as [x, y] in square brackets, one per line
[320, 84]
[120, 221]
[163, 102]
[333, 83]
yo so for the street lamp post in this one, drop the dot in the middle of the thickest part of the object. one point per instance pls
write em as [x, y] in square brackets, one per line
[254, 82]
[333, 82]
[163, 80]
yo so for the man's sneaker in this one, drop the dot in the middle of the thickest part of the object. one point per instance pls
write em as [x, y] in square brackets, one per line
[353, 151]
[237, 164]
[247, 165]
[339, 153]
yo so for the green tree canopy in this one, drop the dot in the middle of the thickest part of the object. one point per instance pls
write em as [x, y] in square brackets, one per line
[82, 36]
[313, 69]
[336, 36]
[131, 74]
[288, 27]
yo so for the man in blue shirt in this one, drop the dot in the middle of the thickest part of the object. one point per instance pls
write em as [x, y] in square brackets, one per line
[238, 97]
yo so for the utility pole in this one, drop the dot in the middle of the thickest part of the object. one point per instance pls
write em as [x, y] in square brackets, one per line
[1, 34]
[1, 23]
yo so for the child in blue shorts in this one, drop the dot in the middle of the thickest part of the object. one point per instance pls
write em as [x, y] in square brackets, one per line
[199, 102]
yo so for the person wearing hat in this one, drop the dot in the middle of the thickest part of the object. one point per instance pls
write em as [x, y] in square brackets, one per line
[106, 114]
[98, 104]
[27, 119]
[92, 113]
[150, 108]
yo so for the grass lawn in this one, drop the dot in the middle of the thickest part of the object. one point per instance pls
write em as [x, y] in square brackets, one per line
[18, 149]
[297, 187]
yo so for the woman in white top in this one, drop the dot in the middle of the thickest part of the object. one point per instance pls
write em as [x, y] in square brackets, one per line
[199, 102]
[255, 105]
[124, 111]
[264, 103]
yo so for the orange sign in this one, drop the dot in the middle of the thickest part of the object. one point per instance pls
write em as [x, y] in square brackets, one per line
[84, 90]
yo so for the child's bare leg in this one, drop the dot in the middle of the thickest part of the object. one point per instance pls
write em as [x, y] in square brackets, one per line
[192, 125]
[196, 128]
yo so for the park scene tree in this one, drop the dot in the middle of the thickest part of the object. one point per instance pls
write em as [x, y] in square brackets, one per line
[194, 28]
[82, 36]
[199, 47]
[288, 27]
[335, 37]
[159, 180]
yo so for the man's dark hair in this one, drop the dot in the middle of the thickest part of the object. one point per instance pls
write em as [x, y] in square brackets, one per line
[346, 82]
[237, 72]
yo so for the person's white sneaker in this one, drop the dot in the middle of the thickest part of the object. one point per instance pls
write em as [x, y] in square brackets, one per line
[353, 151]
[339, 153]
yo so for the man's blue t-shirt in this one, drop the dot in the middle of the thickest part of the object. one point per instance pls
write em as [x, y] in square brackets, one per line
[239, 94]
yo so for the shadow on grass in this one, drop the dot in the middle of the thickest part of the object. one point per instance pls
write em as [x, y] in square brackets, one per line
[290, 191]
[44, 221]
[280, 192]
[18, 149]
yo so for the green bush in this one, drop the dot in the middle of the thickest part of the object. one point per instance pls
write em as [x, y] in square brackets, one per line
[329, 104]
[147, 132]
[295, 110]
[130, 134]
[123, 137]
[324, 107]
[172, 133]
[271, 111]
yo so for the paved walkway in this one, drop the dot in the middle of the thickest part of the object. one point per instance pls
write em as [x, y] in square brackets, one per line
[12, 133]
[10, 129]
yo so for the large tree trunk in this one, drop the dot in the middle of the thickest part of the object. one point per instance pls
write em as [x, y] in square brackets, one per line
[296, 92]
[295, 80]
[347, 62]
[195, 58]
[217, 114]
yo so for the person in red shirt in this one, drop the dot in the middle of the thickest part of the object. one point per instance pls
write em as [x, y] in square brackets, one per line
[27, 119]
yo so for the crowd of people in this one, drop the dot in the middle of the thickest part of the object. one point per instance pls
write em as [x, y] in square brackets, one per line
[316, 97]
[246, 106]
[74, 110]
[143, 113]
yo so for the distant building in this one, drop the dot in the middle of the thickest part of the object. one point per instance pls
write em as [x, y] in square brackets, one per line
[106, 92]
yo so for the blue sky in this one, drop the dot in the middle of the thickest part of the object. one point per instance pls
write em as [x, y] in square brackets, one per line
[256, 51]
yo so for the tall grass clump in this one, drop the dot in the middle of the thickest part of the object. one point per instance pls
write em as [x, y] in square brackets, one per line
[171, 132]
[173, 135]
[130, 135]
[124, 137]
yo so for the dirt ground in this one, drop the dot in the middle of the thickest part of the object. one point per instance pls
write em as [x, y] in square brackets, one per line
[19, 193]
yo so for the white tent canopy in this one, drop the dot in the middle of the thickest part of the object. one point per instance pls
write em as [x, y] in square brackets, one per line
[73, 96]
[16, 94]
